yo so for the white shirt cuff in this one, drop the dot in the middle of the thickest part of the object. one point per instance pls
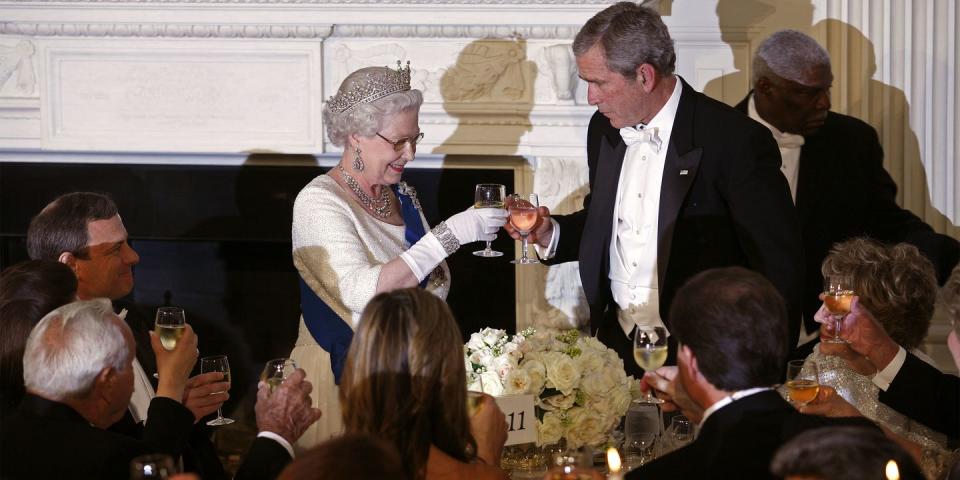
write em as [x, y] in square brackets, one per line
[551, 250]
[884, 377]
[277, 438]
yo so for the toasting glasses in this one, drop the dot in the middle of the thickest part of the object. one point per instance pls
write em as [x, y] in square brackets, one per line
[217, 363]
[489, 195]
[837, 296]
[523, 216]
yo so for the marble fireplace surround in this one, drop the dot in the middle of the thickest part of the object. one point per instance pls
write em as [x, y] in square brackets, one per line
[214, 81]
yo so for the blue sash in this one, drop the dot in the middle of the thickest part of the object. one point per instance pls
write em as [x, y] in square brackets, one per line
[330, 331]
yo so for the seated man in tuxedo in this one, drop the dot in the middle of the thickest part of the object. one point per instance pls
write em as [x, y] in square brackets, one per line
[731, 327]
[78, 373]
[828, 157]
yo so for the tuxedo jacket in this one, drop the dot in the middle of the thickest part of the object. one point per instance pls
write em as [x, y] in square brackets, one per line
[723, 202]
[926, 395]
[739, 441]
[842, 164]
[47, 439]
[264, 461]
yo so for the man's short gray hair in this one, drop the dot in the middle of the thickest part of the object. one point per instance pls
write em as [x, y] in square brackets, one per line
[70, 346]
[789, 54]
[630, 36]
[366, 119]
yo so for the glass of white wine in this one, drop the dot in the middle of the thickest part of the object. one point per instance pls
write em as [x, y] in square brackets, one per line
[170, 324]
[650, 352]
[489, 195]
[217, 363]
[837, 296]
[803, 381]
[524, 212]
[276, 370]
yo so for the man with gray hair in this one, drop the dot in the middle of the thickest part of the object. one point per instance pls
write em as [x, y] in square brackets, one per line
[679, 183]
[833, 164]
[78, 374]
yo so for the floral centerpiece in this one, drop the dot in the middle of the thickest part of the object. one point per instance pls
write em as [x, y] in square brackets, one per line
[581, 391]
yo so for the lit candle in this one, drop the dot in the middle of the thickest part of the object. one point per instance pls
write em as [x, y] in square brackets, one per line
[613, 464]
[893, 473]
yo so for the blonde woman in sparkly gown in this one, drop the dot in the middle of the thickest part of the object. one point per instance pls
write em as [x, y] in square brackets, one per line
[358, 230]
[898, 285]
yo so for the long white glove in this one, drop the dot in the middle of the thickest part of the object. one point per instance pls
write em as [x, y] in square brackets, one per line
[470, 225]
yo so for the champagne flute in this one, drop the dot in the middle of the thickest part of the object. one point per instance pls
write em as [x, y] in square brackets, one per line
[650, 352]
[276, 370]
[489, 195]
[803, 381]
[837, 297]
[170, 324]
[523, 216]
[217, 363]
[152, 466]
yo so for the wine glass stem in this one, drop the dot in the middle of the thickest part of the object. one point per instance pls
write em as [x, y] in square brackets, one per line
[837, 319]
[523, 242]
[488, 249]
[219, 413]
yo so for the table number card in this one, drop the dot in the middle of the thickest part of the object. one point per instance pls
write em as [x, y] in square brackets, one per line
[521, 418]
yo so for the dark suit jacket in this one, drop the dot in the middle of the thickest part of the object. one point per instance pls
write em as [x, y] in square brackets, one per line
[926, 395]
[46, 439]
[844, 161]
[265, 460]
[738, 441]
[723, 202]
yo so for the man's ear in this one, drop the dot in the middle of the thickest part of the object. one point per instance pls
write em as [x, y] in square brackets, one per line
[647, 77]
[69, 260]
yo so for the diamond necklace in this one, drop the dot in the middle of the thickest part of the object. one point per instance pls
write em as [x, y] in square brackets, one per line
[380, 206]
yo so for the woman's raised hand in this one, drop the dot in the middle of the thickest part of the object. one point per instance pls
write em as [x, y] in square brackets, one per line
[477, 224]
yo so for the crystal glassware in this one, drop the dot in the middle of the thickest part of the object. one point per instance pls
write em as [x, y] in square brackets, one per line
[217, 363]
[489, 195]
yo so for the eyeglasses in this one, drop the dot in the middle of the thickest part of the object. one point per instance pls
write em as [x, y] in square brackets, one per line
[399, 144]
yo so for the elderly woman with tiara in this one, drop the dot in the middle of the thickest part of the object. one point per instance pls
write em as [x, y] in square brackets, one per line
[358, 230]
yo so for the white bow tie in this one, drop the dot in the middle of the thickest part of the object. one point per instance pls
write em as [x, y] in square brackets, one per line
[633, 136]
[788, 140]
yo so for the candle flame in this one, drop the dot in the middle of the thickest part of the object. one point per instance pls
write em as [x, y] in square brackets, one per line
[613, 460]
[893, 473]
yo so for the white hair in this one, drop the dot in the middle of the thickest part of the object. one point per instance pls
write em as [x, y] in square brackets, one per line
[789, 54]
[70, 346]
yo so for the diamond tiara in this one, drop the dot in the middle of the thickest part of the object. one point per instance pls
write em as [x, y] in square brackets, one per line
[374, 86]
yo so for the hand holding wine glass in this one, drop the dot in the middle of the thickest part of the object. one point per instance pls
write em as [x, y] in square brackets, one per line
[217, 363]
[650, 352]
[169, 325]
[489, 195]
[524, 212]
[174, 366]
[276, 371]
[803, 381]
[837, 295]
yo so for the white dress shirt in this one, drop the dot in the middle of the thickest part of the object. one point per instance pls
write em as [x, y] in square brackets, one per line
[633, 245]
[730, 399]
[790, 146]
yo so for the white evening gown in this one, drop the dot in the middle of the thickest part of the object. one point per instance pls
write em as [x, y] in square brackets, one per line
[339, 250]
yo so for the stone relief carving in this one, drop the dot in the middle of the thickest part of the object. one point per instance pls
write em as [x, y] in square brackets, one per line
[459, 31]
[17, 62]
[563, 71]
[487, 70]
[355, 2]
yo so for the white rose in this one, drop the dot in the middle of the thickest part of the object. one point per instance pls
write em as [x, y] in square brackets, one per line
[476, 342]
[593, 344]
[562, 372]
[537, 373]
[619, 400]
[550, 429]
[517, 381]
[491, 384]
[558, 402]
[491, 336]
[591, 361]
[597, 384]
[503, 365]
[587, 427]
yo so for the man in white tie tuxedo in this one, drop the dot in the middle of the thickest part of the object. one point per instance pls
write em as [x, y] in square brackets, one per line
[834, 165]
[679, 183]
